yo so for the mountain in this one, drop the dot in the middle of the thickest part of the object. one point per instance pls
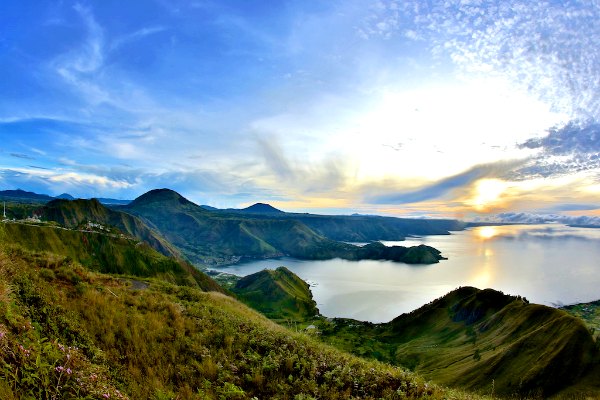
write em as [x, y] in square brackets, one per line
[355, 227]
[108, 201]
[471, 338]
[366, 228]
[213, 238]
[261, 208]
[31, 197]
[217, 238]
[278, 294]
[22, 195]
[77, 214]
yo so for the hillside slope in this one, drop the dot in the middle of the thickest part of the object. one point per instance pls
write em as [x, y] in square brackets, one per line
[105, 253]
[475, 338]
[87, 335]
[77, 213]
[278, 294]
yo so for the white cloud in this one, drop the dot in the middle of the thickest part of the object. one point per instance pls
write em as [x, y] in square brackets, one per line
[137, 35]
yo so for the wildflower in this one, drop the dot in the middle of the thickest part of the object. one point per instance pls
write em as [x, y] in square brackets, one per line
[60, 368]
[106, 396]
[69, 371]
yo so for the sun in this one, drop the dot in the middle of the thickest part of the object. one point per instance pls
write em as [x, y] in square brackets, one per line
[486, 232]
[488, 193]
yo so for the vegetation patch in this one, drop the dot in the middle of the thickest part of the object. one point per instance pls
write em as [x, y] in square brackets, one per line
[85, 334]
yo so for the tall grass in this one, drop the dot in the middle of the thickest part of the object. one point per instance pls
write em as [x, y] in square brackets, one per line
[68, 332]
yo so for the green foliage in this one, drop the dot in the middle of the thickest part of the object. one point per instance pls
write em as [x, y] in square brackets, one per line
[589, 313]
[103, 253]
[166, 341]
[279, 294]
[77, 214]
[471, 336]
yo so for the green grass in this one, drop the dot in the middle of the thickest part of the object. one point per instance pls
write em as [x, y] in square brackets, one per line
[68, 332]
[279, 294]
[589, 313]
[471, 338]
[77, 213]
[105, 253]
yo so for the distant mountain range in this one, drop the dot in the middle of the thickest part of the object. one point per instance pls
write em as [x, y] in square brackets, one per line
[261, 231]
[258, 208]
[24, 196]
[177, 227]
[355, 227]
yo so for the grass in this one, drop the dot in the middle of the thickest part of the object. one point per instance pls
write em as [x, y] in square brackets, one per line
[107, 253]
[471, 338]
[279, 294]
[589, 313]
[69, 332]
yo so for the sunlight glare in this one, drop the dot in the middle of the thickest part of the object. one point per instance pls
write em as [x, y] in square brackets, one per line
[486, 232]
[487, 193]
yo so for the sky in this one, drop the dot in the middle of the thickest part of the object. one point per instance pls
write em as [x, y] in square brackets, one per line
[471, 109]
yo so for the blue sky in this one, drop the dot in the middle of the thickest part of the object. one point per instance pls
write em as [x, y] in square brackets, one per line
[457, 108]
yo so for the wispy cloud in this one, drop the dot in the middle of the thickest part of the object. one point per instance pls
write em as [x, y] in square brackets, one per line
[444, 186]
[137, 35]
[77, 67]
[302, 177]
[22, 156]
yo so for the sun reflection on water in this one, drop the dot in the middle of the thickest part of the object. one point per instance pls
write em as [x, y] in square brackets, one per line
[486, 232]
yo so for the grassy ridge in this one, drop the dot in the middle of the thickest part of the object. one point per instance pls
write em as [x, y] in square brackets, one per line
[105, 253]
[478, 339]
[278, 294]
[85, 334]
[76, 213]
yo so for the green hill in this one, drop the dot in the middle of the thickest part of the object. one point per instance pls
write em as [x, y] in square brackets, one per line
[213, 238]
[478, 339]
[68, 332]
[279, 294]
[104, 252]
[77, 214]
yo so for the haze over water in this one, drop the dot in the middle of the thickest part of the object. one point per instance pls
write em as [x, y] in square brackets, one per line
[548, 264]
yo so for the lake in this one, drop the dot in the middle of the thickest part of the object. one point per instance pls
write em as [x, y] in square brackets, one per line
[548, 264]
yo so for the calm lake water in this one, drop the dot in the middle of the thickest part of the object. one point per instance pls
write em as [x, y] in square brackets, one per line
[548, 264]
